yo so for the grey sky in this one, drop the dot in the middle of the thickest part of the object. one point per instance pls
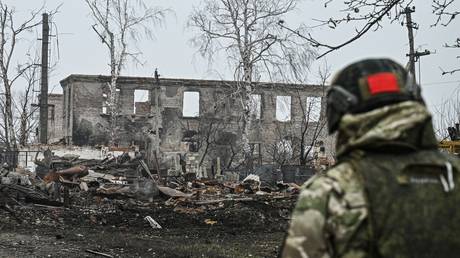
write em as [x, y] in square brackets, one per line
[81, 52]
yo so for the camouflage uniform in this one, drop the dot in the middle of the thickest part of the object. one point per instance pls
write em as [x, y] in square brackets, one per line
[331, 218]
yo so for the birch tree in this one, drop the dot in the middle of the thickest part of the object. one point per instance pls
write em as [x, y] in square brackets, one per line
[120, 24]
[247, 33]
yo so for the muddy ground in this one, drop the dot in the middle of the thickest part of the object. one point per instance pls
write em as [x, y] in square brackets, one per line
[253, 228]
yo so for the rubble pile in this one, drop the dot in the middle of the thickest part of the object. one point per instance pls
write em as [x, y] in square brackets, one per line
[122, 191]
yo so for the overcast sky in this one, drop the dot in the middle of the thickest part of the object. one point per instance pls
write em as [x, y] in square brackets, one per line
[81, 52]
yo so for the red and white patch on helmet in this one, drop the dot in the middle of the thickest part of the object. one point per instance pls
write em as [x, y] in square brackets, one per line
[383, 83]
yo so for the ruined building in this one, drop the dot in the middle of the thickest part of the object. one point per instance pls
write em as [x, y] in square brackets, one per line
[198, 117]
[55, 112]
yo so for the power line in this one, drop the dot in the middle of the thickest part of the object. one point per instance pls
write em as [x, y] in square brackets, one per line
[440, 82]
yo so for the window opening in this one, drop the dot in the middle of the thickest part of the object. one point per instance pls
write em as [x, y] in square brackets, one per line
[141, 102]
[313, 109]
[283, 108]
[191, 104]
[255, 106]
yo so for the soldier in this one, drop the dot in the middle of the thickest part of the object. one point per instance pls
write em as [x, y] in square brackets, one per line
[391, 193]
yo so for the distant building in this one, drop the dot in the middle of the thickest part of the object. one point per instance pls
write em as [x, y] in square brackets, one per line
[187, 111]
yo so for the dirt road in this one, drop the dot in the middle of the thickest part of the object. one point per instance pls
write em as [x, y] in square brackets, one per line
[253, 229]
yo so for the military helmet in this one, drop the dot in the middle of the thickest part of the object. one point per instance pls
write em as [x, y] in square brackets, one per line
[366, 85]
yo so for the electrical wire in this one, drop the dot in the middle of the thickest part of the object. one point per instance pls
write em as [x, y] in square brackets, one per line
[439, 83]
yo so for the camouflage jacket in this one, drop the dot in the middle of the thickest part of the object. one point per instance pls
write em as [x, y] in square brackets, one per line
[331, 214]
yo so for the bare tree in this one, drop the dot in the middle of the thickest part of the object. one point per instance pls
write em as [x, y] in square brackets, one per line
[450, 71]
[455, 45]
[207, 135]
[312, 119]
[443, 10]
[247, 32]
[11, 34]
[294, 143]
[120, 24]
[369, 15]
[204, 132]
[2, 119]
[23, 104]
[447, 115]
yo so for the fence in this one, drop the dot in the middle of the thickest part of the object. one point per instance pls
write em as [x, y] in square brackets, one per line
[18, 158]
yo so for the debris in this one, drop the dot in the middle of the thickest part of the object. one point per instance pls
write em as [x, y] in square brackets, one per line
[210, 221]
[289, 187]
[189, 211]
[224, 200]
[94, 176]
[13, 193]
[7, 208]
[13, 178]
[251, 183]
[153, 223]
[144, 189]
[69, 174]
[261, 193]
[146, 168]
[252, 177]
[116, 191]
[173, 192]
[98, 253]
[70, 157]
[48, 207]
[84, 186]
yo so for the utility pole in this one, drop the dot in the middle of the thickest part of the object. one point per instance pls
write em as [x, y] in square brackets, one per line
[410, 26]
[157, 112]
[157, 120]
[44, 82]
[413, 55]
